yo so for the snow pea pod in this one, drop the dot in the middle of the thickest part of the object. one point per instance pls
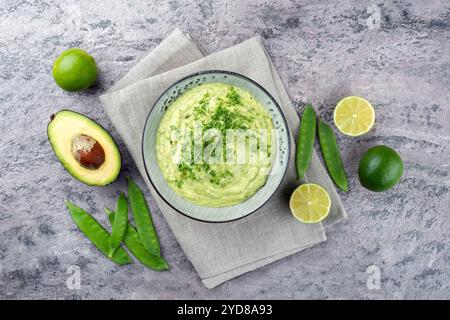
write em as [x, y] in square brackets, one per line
[96, 233]
[143, 219]
[331, 155]
[120, 224]
[134, 244]
[305, 141]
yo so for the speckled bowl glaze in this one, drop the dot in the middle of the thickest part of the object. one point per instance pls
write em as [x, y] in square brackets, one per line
[281, 156]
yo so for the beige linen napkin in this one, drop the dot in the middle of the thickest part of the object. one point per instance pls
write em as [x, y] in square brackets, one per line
[219, 251]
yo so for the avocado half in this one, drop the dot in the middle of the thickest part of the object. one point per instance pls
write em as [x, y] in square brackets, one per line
[85, 149]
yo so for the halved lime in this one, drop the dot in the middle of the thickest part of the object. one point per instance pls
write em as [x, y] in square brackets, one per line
[354, 116]
[310, 203]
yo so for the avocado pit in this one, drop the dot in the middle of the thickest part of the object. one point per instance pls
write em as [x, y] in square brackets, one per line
[87, 151]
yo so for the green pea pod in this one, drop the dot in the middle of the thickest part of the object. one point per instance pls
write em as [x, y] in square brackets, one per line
[96, 233]
[305, 141]
[143, 219]
[120, 224]
[134, 244]
[331, 155]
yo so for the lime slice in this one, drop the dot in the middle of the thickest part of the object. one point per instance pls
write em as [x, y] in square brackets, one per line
[354, 116]
[310, 203]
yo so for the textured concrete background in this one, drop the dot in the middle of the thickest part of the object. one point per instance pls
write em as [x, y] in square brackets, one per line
[394, 53]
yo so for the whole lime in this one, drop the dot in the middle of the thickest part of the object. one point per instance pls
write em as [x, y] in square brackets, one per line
[74, 70]
[380, 168]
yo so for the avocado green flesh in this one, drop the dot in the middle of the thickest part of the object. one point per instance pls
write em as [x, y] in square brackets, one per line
[64, 126]
[215, 106]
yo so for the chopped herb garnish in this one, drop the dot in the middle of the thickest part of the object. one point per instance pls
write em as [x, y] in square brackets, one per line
[221, 114]
[219, 178]
[202, 105]
[233, 96]
[179, 183]
[224, 118]
[186, 171]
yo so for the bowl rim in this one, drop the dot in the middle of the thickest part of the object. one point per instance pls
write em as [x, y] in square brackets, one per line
[259, 87]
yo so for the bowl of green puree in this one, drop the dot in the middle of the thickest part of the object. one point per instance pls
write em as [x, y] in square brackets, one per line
[216, 146]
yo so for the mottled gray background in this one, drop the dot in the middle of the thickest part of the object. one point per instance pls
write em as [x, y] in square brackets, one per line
[394, 53]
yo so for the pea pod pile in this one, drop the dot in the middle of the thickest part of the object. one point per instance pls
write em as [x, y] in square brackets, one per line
[142, 243]
[134, 244]
[96, 233]
[328, 145]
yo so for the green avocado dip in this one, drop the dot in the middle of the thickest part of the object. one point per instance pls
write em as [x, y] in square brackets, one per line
[214, 145]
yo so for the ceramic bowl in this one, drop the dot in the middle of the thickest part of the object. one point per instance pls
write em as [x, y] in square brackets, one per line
[281, 156]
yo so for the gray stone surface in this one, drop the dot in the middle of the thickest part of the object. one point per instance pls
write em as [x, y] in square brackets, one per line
[394, 53]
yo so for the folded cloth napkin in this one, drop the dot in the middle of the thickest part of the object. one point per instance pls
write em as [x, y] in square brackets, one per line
[220, 251]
